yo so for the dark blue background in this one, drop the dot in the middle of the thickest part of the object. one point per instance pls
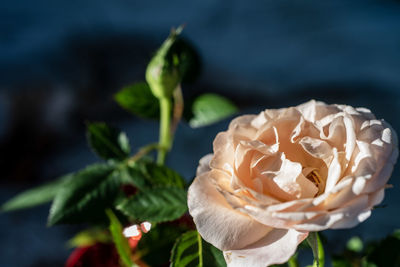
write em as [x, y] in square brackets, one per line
[61, 61]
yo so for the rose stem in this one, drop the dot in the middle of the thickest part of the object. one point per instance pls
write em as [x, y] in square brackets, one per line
[165, 126]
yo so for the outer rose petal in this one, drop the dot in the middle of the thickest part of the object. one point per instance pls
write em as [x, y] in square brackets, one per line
[215, 219]
[204, 164]
[275, 248]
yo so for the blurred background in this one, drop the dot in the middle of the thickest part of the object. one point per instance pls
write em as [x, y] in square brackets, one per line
[62, 61]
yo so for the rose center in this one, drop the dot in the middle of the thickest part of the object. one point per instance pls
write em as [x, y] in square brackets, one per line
[313, 176]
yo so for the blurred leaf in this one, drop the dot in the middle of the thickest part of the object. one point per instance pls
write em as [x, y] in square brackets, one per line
[89, 237]
[159, 241]
[396, 234]
[107, 142]
[210, 108]
[365, 263]
[139, 100]
[121, 243]
[35, 196]
[341, 262]
[189, 63]
[355, 244]
[317, 249]
[145, 175]
[158, 204]
[191, 250]
[84, 197]
[385, 252]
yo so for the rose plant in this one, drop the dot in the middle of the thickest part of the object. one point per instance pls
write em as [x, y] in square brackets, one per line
[273, 179]
[276, 176]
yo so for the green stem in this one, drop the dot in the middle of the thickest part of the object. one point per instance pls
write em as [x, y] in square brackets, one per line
[143, 151]
[165, 129]
[315, 243]
[200, 244]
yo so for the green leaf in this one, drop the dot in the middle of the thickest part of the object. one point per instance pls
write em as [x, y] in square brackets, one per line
[145, 175]
[35, 196]
[210, 108]
[84, 197]
[158, 204]
[159, 241]
[107, 142]
[317, 248]
[121, 243]
[139, 100]
[162, 175]
[189, 63]
[212, 256]
[191, 250]
[89, 237]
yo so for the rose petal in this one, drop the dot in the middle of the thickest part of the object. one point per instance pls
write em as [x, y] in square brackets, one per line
[215, 219]
[275, 248]
[346, 217]
[223, 151]
[334, 172]
[204, 164]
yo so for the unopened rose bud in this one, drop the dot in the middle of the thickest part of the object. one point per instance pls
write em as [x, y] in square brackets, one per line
[145, 226]
[162, 73]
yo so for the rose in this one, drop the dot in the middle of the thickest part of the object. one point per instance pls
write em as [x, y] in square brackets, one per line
[276, 176]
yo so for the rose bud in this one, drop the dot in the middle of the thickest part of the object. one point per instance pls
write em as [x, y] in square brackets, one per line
[162, 73]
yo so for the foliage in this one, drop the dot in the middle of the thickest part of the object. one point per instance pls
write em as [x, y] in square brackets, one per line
[159, 204]
[36, 196]
[108, 142]
[191, 250]
[210, 108]
[138, 99]
[86, 195]
[120, 241]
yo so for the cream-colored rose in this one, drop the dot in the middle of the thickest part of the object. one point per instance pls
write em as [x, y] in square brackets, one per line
[276, 176]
